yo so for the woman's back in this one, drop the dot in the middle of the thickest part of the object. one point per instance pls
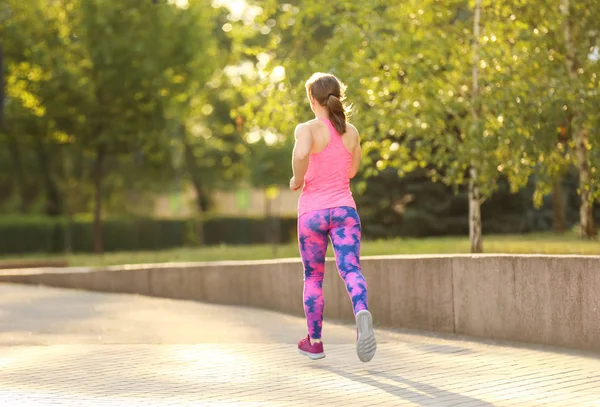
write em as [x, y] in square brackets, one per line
[327, 180]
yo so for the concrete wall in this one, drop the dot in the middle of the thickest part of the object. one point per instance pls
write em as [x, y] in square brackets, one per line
[551, 300]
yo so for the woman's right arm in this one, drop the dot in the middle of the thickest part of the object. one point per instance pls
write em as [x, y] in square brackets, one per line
[356, 154]
[300, 154]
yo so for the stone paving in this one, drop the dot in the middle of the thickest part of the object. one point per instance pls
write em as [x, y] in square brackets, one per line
[73, 348]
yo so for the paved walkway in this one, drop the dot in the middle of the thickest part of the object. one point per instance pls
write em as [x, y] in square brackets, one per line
[73, 348]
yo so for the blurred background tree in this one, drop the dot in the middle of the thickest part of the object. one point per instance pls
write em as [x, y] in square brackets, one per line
[476, 117]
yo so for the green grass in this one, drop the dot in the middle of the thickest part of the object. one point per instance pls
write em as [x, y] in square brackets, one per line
[523, 244]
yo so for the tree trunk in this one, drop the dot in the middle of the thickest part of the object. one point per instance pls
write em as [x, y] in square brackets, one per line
[580, 136]
[98, 178]
[276, 220]
[475, 234]
[559, 222]
[190, 162]
[1, 88]
[69, 232]
[586, 216]
[13, 146]
[200, 217]
[270, 230]
[53, 198]
[20, 182]
[66, 192]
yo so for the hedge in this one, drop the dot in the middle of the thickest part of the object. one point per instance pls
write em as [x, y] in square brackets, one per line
[48, 235]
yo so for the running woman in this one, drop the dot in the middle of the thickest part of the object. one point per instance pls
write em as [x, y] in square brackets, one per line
[326, 156]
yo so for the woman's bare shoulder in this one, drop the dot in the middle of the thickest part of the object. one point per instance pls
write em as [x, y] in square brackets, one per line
[312, 125]
[306, 125]
[351, 130]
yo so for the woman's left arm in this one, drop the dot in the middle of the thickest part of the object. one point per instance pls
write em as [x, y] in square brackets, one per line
[356, 154]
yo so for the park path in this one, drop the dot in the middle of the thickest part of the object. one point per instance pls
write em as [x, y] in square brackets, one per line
[73, 348]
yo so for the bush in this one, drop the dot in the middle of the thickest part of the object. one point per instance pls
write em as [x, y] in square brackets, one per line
[433, 209]
[19, 235]
[37, 235]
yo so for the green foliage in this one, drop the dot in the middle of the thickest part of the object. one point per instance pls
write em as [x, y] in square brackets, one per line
[169, 95]
[408, 67]
[270, 164]
[120, 86]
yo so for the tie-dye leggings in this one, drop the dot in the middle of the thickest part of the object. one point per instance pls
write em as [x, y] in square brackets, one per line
[342, 225]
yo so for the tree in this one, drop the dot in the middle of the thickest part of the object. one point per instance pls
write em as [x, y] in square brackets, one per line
[114, 92]
[420, 105]
[207, 148]
[581, 126]
[555, 59]
[30, 127]
[474, 196]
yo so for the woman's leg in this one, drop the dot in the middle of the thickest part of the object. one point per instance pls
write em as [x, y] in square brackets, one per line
[345, 236]
[312, 239]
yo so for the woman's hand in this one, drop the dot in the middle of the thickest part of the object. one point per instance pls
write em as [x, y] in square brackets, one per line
[295, 185]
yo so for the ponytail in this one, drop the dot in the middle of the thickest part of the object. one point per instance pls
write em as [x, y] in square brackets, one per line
[337, 113]
[330, 92]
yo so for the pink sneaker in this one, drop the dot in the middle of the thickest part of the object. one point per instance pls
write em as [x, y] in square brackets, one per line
[313, 350]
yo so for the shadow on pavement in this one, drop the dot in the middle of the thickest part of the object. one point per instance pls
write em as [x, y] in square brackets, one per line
[442, 349]
[436, 392]
[423, 395]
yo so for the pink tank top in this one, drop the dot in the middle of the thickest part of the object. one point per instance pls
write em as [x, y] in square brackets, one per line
[327, 181]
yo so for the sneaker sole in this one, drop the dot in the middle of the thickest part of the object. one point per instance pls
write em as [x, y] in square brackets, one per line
[366, 344]
[313, 356]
